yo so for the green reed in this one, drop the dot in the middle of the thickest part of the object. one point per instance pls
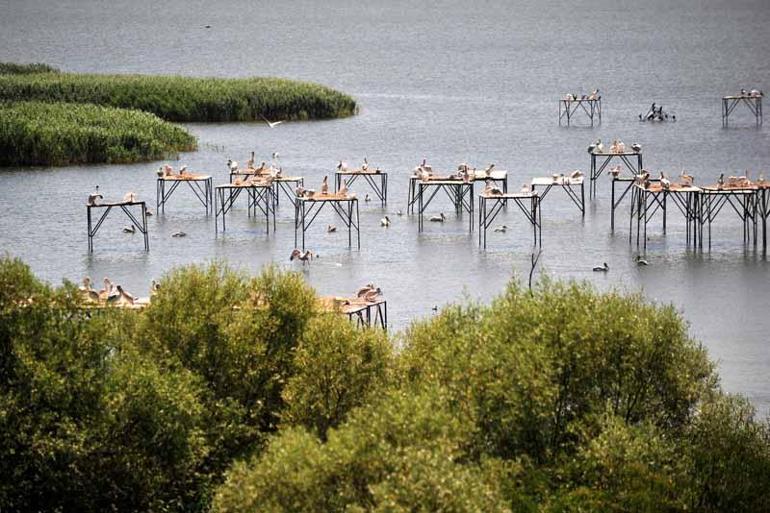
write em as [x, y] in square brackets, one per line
[185, 99]
[39, 133]
[12, 68]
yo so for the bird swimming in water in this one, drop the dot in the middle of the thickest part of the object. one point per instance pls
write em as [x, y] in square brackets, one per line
[399, 213]
[179, 234]
[129, 229]
[367, 198]
[330, 228]
[502, 228]
[602, 268]
[640, 261]
[439, 218]
[385, 221]
[305, 257]
[148, 212]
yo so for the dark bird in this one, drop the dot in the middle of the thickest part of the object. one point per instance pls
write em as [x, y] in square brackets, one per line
[602, 268]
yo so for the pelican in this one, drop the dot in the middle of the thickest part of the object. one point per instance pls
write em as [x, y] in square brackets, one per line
[743, 92]
[367, 198]
[576, 174]
[399, 213]
[250, 162]
[154, 287]
[299, 191]
[761, 177]
[179, 234]
[636, 147]
[88, 293]
[182, 170]
[343, 189]
[232, 165]
[107, 291]
[686, 179]
[599, 146]
[489, 168]
[93, 199]
[365, 165]
[330, 228]
[372, 295]
[121, 298]
[342, 166]
[271, 124]
[721, 180]
[129, 197]
[525, 189]
[385, 221]
[641, 261]
[168, 170]
[365, 289]
[325, 185]
[129, 229]
[305, 257]
[602, 268]
[664, 182]
[439, 218]
[148, 212]
[615, 170]
[501, 228]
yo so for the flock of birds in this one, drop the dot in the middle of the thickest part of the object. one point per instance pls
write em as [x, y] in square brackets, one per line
[112, 294]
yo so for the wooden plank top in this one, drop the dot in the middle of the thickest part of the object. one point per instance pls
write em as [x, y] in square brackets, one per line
[509, 195]
[245, 185]
[729, 189]
[317, 197]
[116, 204]
[561, 181]
[743, 97]
[446, 181]
[349, 172]
[191, 177]
[656, 187]
[615, 154]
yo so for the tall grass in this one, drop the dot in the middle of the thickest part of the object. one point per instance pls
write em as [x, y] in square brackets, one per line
[39, 133]
[12, 68]
[185, 99]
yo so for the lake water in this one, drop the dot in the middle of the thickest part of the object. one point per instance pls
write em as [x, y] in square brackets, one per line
[451, 81]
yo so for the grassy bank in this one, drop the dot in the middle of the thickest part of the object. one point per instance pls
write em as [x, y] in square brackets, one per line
[12, 68]
[185, 99]
[38, 133]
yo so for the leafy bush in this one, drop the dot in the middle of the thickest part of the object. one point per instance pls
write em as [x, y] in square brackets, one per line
[37, 133]
[176, 98]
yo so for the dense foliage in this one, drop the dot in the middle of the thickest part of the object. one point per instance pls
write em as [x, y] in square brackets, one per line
[557, 400]
[12, 68]
[39, 133]
[184, 99]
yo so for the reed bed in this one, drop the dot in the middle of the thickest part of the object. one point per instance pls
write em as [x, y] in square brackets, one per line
[40, 133]
[185, 99]
[12, 68]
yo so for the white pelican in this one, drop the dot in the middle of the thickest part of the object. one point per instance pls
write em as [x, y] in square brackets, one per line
[664, 182]
[121, 297]
[107, 291]
[399, 213]
[602, 268]
[439, 218]
[342, 166]
[501, 228]
[372, 295]
[385, 221]
[325, 185]
[576, 174]
[154, 287]
[250, 162]
[179, 234]
[599, 146]
[686, 179]
[365, 165]
[721, 180]
[525, 189]
[366, 288]
[367, 198]
[93, 199]
[129, 197]
[129, 229]
[636, 147]
[305, 257]
[330, 228]
[182, 170]
[343, 191]
[88, 293]
[271, 124]
[232, 165]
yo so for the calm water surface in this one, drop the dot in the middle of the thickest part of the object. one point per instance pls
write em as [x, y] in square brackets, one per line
[451, 81]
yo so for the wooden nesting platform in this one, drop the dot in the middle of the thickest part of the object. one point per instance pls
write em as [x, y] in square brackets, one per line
[260, 197]
[573, 187]
[498, 176]
[201, 185]
[741, 199]
[654, 198]
[460, 192]
[752, 102]
[376, 178]
[140, 222]
[490, 206]
[306, 210]
[631, 161]
[590, 107]
[365, 313]
[281, 183]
